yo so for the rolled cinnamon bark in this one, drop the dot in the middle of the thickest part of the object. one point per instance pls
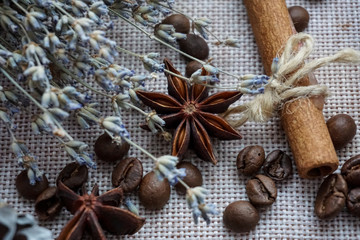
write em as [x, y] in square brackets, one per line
[303, 122]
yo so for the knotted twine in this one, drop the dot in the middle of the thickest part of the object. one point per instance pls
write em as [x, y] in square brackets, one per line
[285, 74]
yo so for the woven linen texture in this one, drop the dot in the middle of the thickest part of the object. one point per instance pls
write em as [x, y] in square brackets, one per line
[334, 24]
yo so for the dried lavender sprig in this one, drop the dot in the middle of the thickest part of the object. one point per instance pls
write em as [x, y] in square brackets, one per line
[24, 157]
[153, 37]
[201, 24]
[154, 122]
[58, 130]
[250, 84]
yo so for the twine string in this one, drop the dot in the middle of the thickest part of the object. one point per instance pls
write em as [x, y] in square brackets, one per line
[291, 67]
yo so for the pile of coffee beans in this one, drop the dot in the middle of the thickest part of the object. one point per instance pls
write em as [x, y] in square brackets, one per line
[277, 165]
[351, 172]
[127, 174]
[47, 204]
[338, 190]
[242, 216]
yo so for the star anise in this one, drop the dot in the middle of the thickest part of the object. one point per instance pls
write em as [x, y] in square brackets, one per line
[93, 213]
[190, 110]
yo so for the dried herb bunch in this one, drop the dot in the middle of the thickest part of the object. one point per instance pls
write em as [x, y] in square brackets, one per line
[51, 49]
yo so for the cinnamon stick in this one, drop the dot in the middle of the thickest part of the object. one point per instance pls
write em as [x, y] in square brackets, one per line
[303, 122]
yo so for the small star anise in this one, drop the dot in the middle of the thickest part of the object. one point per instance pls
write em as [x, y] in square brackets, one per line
[93, 213]
[190, 110]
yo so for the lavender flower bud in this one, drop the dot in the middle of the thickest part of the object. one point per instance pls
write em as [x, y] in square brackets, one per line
[232, 42]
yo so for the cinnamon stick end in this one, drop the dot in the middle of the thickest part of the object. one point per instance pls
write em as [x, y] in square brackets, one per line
[309, 139]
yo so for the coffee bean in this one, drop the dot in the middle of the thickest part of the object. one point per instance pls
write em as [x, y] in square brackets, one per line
[250, 160]
[193, 177]
[179, 21]
[73, 175]
[154, 194]
[108, 150]
[192, 67]
[127, 174]
[351, 171]
[331, 197]
[240, 216]
[342, 129]
[353, 201]
[261, 190]
[47, 204]
[277, 165]
[195, 46]
[27, 190]
[300, 17]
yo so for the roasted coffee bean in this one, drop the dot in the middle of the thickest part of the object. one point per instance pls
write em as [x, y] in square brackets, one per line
[127, 174]
[192, 67]
[47, 204]
[240, 216]
[342, 129]
[108, 150]
[277, 165]
[73, 175]
[27, 190]
[351, 171]
[353, 201]
[261, 190]
[300, 17]
[195, 46]
[250, 160]
[179, 21]
[331, 197]
[154, 194]
[193, 177]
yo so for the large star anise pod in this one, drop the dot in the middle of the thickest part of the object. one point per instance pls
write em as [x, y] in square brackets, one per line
[190, 110]
[93, 213]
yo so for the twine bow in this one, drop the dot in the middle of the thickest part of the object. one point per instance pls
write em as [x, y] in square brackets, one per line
[286, 71]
